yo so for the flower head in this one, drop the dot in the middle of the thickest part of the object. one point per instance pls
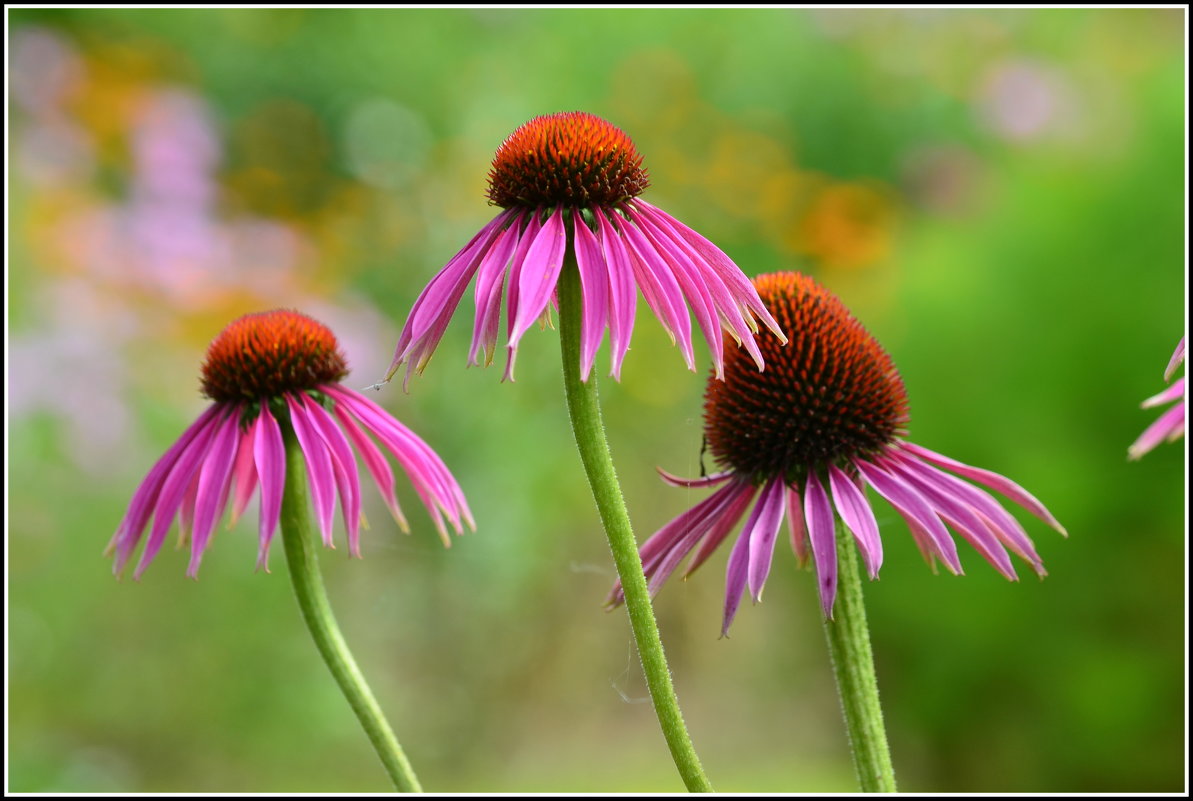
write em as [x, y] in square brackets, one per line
[1169, 426]
[265, 372]
[568, 185]
[805, 437]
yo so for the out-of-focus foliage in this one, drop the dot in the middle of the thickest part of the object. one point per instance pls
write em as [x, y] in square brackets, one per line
[997, 194]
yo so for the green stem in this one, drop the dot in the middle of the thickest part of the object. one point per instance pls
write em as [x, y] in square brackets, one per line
[585, 411]
[298, 540]
[853, 664]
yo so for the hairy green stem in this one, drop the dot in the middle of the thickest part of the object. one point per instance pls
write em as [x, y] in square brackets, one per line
[853, 665]
[298, 539]
[585, 411]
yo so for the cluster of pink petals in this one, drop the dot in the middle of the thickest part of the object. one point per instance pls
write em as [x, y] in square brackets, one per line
[635, 247]
[217, 458]
[907, 476]
[1169, 426]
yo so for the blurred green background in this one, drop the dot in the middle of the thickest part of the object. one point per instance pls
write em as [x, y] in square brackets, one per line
[998, 194]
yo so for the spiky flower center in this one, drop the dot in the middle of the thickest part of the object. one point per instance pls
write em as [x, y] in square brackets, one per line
[572, 158]
[267, 354]
[829, 395]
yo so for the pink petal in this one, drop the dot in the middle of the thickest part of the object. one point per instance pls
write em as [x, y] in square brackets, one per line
[859, 518]
[795, 526]
[990, 479]
[739, 497]
[434, 307]
[1178, 356]
[703, 481]
[740, 286]
[763, 529]
[1168, 426]
[214, 476]
[594, 283]
[735, 580]
[537, 279]
[819, 517]
[489, 279]
[1174, 392]
[320, 473]
[269, 454]
[962, 518]
[344, 467]
[623, 296]
[244, 475]
[377, 465]
[660, 289]
[129, 532]
[181, 474]
[918, 513]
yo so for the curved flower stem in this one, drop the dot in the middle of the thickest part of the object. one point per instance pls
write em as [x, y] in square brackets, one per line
[853, 665]
[298, 540]
[585, 411]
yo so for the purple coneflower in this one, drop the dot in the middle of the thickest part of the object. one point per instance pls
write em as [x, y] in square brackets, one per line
[1171, 425]
[264, 372]
[806, 436]
[569, 185]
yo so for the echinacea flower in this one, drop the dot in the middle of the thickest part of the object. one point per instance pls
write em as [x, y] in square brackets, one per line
[568, 184]
[1169, 426]
[825, 420]
[265, 372]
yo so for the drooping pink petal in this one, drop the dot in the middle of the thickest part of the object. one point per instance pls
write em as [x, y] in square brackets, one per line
[721, 299]
[489, 280]
[434, 307]
[1168, 426]
[660, 289]
[536, 280]
[964, 520]
[129, 532]
[763, 529]
[377, 465]
[623, 298]
[186, 511]
[918, 513]
[344, 467]
[798, 533]
[214, 477]
[990, 479]
[269, 454]
[431, 479]
[594, 284]
[244, 475]
[688, 277]
[666, 548]
[1005, 527]
[859, 518]
[818, 515]
[740, 493]
[1174, 392]
[736, 573]
[740, 286]
[1178, 356]
[688, 483]
[181, 473]
[320, 473]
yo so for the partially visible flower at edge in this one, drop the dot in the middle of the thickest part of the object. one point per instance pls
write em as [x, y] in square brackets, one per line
[265, 371]
[1170, 426]
[823, 421]
[570, 181]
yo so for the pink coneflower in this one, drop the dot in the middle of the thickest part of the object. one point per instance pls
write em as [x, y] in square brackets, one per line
[1171, 425]
[825, 420]
[265, 373]
[569, 186]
